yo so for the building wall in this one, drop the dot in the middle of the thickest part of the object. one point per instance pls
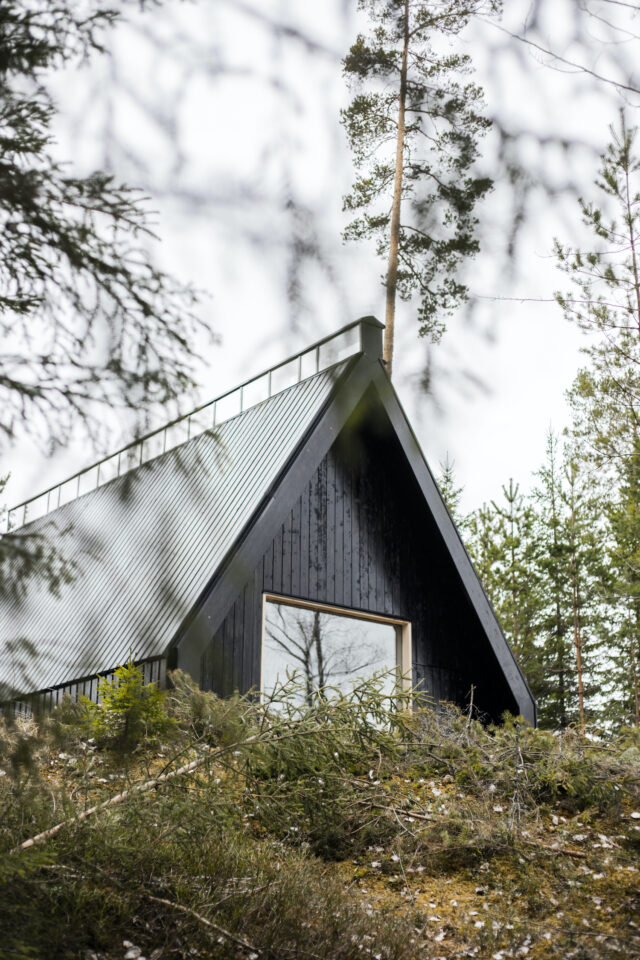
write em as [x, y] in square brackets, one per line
[361, 536]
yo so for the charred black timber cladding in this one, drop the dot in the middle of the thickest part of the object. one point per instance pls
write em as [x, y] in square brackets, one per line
[368, 531]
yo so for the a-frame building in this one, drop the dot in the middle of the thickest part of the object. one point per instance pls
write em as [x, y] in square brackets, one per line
[310, 500]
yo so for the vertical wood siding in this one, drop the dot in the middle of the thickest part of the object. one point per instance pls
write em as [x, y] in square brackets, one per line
[361, 536]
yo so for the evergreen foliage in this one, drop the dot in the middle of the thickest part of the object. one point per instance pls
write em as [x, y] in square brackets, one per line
[75, 275]
[85, 316]
[540, 559]
[624, 555]
[555, 693]
[128, 710]
[605, 397]
[451, 493]
[514, 575]
[561, 564]
[413, 124]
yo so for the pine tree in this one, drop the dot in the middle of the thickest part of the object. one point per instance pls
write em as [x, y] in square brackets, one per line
[413, 124]
[516, 576]
[605, 304]
[587, 574]
[451, 493]
[624, 553]
[501, 539]
[555, 692]
[482, 543]
[605, 396]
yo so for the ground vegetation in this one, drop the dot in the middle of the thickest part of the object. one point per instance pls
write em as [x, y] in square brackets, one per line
[345, 827]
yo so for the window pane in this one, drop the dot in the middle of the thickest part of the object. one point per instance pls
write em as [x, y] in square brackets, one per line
[324, 649]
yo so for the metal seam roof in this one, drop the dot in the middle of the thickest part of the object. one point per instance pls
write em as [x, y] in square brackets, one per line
[148, 543]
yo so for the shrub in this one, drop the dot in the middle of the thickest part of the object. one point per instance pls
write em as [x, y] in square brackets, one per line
[129, 710]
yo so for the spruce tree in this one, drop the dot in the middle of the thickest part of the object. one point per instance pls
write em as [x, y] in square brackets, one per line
[624, 554]
[517, 573]
[555, 692]
[605, 396]
[413, 124]
[451, 492]
[502, 543]
[481, 540]
[587, 573]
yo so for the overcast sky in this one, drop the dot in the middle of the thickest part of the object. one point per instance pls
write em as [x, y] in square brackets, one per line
[220, 119]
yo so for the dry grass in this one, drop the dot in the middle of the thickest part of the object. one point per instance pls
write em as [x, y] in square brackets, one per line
[320, 834]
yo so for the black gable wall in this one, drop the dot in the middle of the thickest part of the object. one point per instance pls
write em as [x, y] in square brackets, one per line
[361, 536]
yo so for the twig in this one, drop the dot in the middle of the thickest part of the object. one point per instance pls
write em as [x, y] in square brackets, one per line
[244, 893]
[405, 813]
[470, 713]
[547, 846]
[207, 923]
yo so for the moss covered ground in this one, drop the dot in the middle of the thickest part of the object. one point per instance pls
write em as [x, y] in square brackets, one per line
[338, 830]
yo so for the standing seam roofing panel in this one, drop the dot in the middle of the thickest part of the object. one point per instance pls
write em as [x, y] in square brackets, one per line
[148, 543]
[213, 510]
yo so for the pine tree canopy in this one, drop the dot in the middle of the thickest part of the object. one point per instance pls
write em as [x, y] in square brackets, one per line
[413, 125]
[562, 564]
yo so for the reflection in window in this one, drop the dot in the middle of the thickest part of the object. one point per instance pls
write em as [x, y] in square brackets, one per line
[325, 649]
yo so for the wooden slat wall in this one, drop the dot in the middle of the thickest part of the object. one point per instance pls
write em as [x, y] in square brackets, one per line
[361, 536]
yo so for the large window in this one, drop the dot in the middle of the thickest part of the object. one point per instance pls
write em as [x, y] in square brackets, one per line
[331, 647]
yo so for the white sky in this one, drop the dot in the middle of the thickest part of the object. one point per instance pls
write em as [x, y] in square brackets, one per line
[216, 174]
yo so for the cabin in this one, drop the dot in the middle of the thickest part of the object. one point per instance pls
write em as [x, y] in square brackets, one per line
[292, 524]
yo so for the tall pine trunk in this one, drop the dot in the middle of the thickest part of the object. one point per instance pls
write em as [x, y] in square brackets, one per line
[557, 587]
[577, 621]
[636, 697]
[394, 240]
[632, 237]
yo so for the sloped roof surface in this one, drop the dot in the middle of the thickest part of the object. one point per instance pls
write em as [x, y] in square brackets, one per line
[147, 544]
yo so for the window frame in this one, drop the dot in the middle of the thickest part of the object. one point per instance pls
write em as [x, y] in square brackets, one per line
[404, 648]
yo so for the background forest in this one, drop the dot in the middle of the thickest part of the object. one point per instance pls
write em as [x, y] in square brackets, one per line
[172, 824]
[110, 331]
[561, 563]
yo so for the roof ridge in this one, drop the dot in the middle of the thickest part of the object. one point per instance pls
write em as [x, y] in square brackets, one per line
[325, 353]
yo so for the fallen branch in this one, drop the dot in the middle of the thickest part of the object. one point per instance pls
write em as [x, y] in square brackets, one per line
[221, 930]
[547, 846]
[207, 923]
[118, 798]
[148, 785]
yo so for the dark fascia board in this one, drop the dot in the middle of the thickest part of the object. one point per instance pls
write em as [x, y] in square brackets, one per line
[449, 532]
[267, 519]
[238, 566]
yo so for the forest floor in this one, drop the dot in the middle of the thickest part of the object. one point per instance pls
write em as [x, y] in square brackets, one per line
[281, 842]
[566, 886]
